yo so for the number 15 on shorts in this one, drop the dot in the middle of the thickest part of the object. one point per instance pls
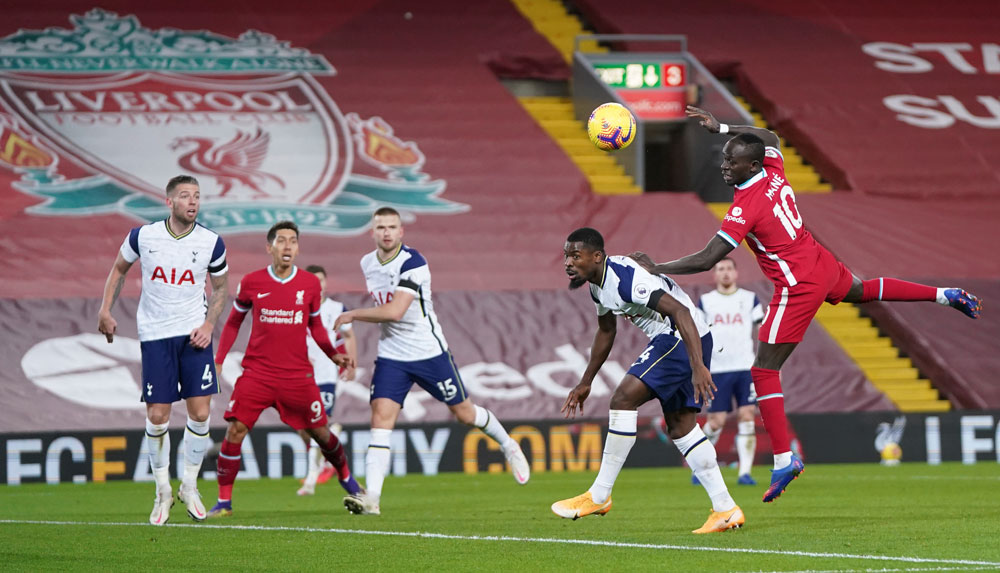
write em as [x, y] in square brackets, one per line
[448, 389]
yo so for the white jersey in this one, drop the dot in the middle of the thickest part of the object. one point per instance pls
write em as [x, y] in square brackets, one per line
[732, 317]
[174, 268]
[324, 370]
[416, 336]
[625, 289]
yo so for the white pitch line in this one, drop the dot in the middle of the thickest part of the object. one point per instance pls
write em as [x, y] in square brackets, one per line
[958, 478]
[902, 570]
[591, 542]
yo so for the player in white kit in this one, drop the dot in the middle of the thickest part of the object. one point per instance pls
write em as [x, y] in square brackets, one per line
[175, 323]
[733, 313]
[673, 369]
[327, 374]
[411, 348]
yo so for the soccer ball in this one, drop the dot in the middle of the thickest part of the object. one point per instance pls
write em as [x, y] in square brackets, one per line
[611, 127]
[891, 454]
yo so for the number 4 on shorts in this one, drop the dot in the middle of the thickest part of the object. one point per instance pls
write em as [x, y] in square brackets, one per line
[207, 377]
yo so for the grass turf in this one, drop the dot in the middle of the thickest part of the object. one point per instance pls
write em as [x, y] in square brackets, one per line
[834, 518]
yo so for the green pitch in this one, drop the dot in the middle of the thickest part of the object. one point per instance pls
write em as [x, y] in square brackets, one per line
[834, 518]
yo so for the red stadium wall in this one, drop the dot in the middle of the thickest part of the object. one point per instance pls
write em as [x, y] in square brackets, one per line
[885, 100]
[899, 106]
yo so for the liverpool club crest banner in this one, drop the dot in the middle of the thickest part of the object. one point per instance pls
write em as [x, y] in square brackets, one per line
[97, 118]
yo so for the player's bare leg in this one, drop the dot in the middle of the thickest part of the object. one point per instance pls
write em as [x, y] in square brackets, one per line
[384, 414]
[158, 444]
[890, 289]
[479, 417]
[771, 401]
[334, 453]
[622, 423]
[196, 441]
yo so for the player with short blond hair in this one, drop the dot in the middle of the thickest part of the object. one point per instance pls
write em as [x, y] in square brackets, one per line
[175, 322]
[411, 349]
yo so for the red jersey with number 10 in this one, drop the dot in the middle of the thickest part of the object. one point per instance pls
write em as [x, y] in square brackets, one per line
[281, 310]
[764, 212]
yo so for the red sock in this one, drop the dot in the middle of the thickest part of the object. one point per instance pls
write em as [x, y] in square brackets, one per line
[227, 468]
[771, 402]
[334, 453]
[895, 289]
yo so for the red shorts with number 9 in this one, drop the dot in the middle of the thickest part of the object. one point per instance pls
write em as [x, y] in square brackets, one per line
[297, 401]
[793, 307]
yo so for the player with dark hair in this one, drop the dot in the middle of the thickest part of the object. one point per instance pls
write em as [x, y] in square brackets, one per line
[411, 348]
[326, 374]
[804, 273]
[673, 369]
[276, 368]
[175, 324]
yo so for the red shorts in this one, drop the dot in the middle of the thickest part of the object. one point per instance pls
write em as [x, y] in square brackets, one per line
[793, 308]
[297, 401]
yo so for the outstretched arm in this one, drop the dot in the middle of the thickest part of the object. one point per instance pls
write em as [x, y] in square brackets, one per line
[716, 250]
[607, 328]
[708, 121]
[106, 324]
[704, 387]
[388, 312]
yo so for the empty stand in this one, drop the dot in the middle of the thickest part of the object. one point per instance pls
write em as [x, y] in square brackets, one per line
[430, 71]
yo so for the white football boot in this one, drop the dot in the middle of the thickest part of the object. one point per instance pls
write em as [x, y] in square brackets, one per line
[161, 507]
[518, 463]
[190, 497]
[362, 504]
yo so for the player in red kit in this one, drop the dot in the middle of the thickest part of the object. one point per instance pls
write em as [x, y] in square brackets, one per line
[276, 370]
[804, 273]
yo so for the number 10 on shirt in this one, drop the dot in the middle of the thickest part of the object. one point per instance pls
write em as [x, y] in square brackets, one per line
[789, 215]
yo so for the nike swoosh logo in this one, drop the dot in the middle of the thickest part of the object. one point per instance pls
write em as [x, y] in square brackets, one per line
[263, 294]
[209, 385]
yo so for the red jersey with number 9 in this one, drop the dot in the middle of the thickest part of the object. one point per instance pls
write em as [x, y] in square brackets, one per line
[764, 212]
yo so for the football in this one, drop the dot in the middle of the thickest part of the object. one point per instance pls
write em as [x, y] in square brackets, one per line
[891, 454]
[611, 127]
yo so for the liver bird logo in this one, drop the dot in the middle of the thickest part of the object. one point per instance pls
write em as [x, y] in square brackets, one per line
[235, 162]
[889, 434]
